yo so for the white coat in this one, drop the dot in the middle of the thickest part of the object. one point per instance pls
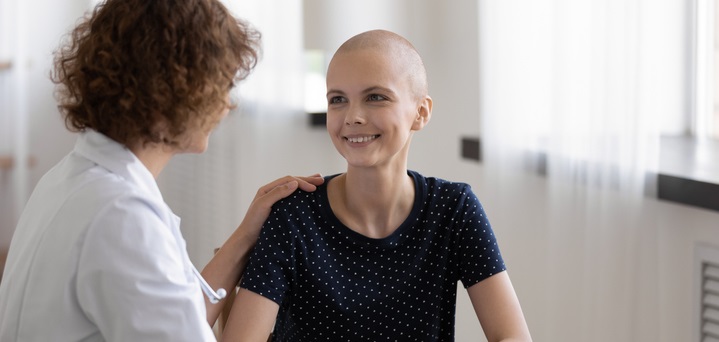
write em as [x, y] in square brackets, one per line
[98, 256]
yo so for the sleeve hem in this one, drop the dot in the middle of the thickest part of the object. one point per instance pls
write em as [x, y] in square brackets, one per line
[469, 283]
[264, 292]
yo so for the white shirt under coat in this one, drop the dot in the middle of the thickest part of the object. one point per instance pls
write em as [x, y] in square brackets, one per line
[98, 256]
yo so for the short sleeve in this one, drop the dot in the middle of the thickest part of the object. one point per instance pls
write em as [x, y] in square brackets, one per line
[134, 281]
[270, 270]
[479, 255]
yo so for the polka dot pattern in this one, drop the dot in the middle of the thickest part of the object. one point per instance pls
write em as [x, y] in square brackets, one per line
[334, 284]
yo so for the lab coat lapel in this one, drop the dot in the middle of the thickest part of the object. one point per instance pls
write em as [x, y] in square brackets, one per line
[118, 159]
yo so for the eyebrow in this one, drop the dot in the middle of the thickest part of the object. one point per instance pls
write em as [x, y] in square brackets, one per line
[377, 88]
[369, 90]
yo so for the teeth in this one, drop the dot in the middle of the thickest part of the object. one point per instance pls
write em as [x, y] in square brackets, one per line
[362, 139]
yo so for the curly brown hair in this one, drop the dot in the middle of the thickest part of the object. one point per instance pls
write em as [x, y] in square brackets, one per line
[144, 71]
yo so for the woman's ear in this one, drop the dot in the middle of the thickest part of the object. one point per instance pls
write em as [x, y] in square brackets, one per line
[424, 113]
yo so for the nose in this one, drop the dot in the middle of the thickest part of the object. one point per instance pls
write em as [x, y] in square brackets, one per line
[355, 116]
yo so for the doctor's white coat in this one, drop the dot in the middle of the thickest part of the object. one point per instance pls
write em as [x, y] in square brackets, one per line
[98, 256]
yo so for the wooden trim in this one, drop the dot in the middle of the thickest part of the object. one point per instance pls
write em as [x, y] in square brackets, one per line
[7, 162]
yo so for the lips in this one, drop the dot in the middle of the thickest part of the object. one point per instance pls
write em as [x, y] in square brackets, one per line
[362, 139]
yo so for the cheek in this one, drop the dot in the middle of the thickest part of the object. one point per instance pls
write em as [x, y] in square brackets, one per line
[334, 136]
[333, 123]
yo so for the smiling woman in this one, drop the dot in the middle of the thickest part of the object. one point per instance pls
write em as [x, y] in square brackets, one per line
[378, 251]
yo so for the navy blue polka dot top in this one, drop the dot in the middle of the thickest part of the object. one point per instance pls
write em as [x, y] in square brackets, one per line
[334, 284]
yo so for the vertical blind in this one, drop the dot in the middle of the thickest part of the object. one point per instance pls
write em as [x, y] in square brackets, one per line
[710, 302]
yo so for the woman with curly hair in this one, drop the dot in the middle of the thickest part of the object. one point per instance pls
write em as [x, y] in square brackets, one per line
[97, 254]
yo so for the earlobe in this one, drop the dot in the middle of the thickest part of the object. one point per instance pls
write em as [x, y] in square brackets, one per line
[424, 113]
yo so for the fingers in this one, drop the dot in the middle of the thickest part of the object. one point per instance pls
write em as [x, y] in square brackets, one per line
[272, 192]
[308, 183]
[279, 192]
[263, 201]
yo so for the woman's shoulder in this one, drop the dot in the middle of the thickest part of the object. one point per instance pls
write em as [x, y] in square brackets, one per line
[302, 200]
[438, 185]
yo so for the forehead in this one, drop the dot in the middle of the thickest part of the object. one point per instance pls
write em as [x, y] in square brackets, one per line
[365, 68]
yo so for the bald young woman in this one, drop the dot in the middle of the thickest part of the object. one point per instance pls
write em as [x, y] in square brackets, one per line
[375, 253]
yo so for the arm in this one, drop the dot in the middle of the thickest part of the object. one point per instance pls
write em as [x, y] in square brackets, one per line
[251, 319]
[226, 267]
[498, 309]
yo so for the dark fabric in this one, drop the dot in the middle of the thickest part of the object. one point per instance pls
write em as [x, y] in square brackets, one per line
[334, 284]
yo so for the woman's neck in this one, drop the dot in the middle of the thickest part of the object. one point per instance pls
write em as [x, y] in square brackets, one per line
[371, 202]
[154, 156]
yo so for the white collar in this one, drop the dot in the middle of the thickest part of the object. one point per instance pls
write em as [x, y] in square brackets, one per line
[118, 159]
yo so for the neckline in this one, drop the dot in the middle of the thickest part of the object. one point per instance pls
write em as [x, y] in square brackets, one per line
[390, 241]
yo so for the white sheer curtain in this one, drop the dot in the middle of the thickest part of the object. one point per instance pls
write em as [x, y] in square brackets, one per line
[576, 90]
[14, 187]
[211, 191]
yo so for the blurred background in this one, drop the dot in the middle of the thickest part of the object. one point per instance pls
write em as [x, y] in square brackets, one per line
[567, 117]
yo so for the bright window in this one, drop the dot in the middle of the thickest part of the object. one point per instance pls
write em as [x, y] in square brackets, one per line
[706, 114]
[713, 119]
[315, 86]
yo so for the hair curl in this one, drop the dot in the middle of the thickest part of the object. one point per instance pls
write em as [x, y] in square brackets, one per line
[144, 71]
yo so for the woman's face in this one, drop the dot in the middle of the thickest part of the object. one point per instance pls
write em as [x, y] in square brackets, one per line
[372, 111]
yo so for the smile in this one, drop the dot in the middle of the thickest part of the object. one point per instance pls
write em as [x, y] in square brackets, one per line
[362, 139]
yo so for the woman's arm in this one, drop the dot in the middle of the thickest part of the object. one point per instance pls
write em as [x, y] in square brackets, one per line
[226, 267]
[498, 309]
[252, 318]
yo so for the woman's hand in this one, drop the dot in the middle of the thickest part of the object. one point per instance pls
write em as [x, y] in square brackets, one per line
[269, 194]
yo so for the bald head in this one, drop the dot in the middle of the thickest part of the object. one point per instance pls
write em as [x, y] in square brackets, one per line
[396, 48]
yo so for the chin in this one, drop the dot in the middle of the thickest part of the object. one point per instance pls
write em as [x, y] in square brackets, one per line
[201, 148]
[195, 148]
[200, 145]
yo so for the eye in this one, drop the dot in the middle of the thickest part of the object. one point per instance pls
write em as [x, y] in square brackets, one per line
[375, 97]
[336, 99]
